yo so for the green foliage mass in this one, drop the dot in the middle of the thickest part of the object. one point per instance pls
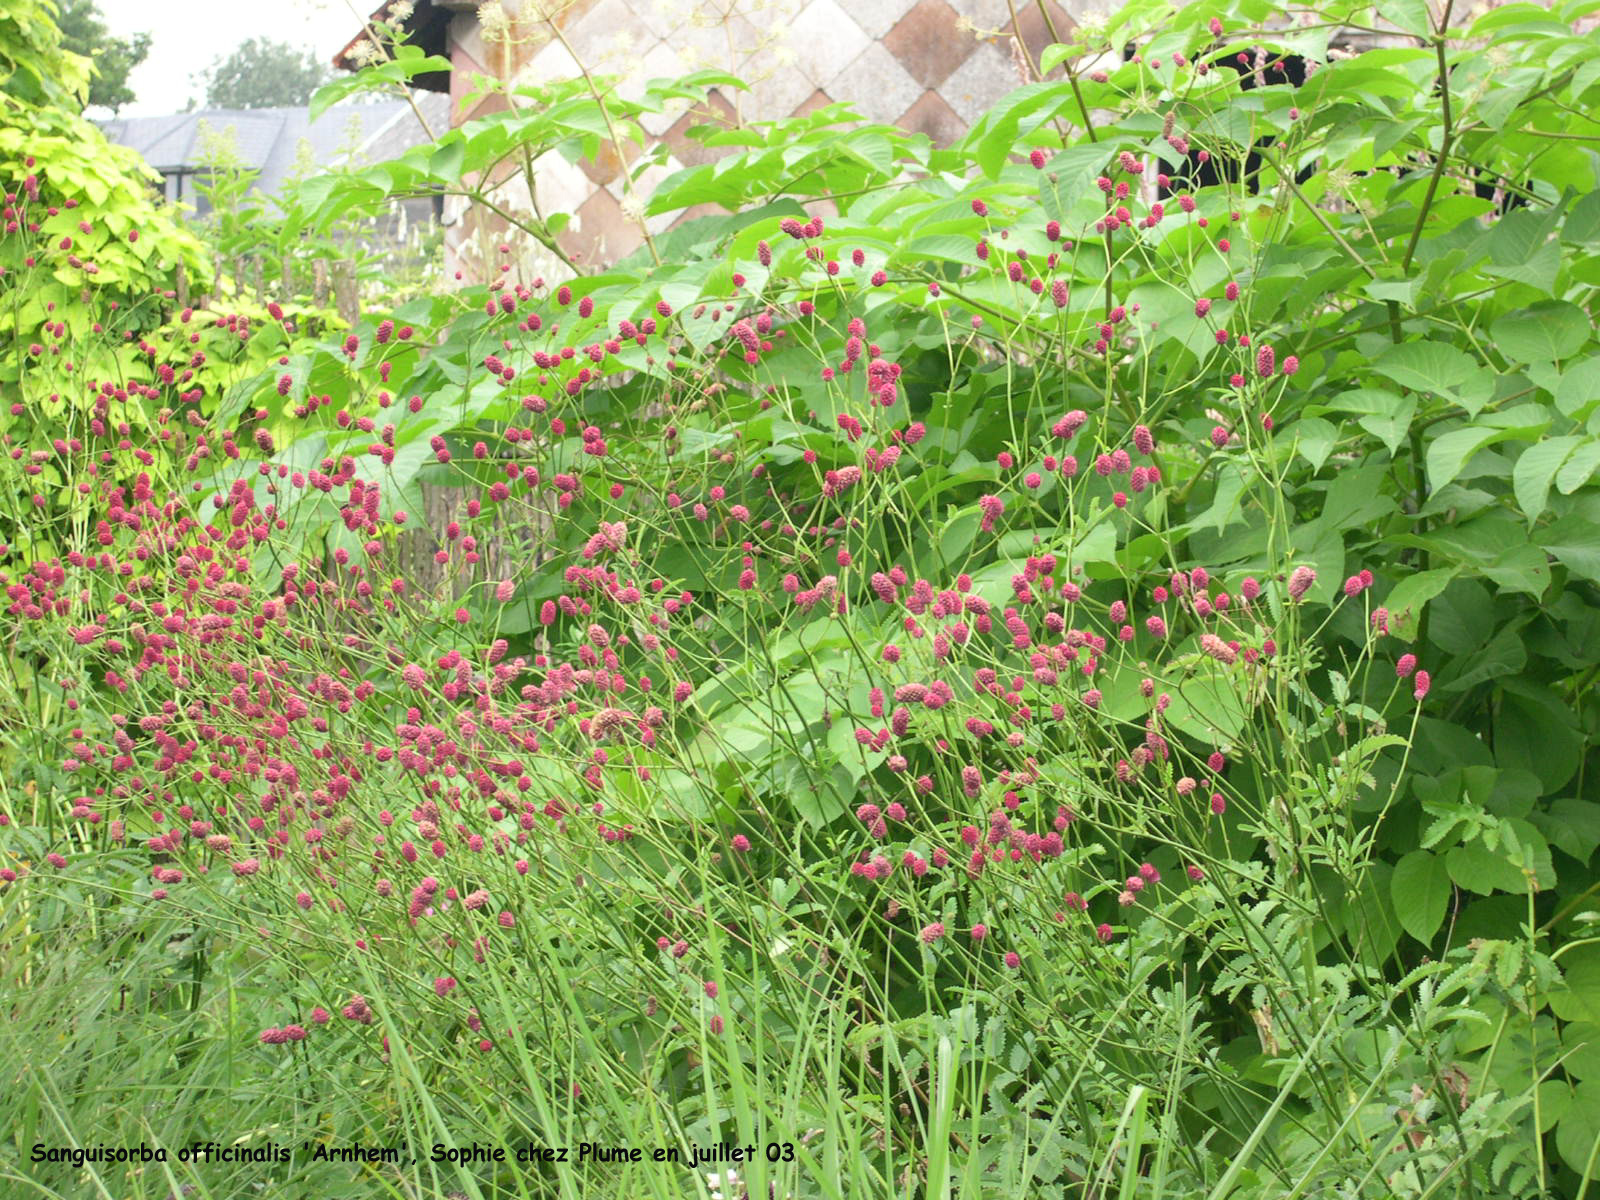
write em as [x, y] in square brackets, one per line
[84, 32]
[93, 202]
[263, 73]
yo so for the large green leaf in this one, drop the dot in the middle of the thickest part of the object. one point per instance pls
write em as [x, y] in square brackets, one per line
[1384, 414]
[1575, 542]
[1578, 1134]
[1449, 453]
[1535, 470]
[1438, 368]
[1405, 601]
[1420, 888]
[1579, 997]
[1546, 332]
[1578, 391]
[1476, 867]
[1571, 825]
[1579, 469]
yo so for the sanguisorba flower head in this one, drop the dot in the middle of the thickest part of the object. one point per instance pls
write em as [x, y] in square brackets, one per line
[1300, 581]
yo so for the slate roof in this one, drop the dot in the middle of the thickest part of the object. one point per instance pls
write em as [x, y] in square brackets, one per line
[268, 139]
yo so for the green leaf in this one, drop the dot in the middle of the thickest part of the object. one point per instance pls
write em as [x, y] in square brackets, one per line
[1580, 1048]
[1476, 868]
[1403, 290]
[1575, 542]
[1520, 569]
[1315, 439]
[1054, 55]
[994, 138]
[1571, 825]
[819, 801]
[1409, 595]
[1537, 271]
[447, 160]
[1579, 1000]
[1476, 542]
[1450, 452]
[1579, 388]
[1224, 510]
[1385, 415]
[378, 77]
[1420, 888]
[1067, 177]
[1549, 330]
[1519, 235]
[1578, 469]
[1208, 704]
[1535, 470]
[1578, 1134]
[1439, 369]
[1504, 655]
[1409, 15]
[1583, 222]
[1425, 366]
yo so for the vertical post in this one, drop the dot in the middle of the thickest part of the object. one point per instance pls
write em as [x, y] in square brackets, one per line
[345, 296]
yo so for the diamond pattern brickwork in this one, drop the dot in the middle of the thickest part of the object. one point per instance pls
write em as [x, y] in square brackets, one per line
[929, 66]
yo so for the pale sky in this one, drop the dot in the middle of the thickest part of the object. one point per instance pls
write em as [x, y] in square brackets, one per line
[188, 35]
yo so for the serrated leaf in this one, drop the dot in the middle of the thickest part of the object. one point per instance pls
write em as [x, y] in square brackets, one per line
[1509, 965]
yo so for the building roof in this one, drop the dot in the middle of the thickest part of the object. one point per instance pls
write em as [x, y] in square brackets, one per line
[268, 139]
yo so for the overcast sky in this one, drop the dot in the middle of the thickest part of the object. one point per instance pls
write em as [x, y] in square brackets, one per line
[188, 35]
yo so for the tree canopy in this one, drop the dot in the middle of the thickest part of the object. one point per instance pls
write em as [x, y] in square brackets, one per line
[263, 73]
[84, 31]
